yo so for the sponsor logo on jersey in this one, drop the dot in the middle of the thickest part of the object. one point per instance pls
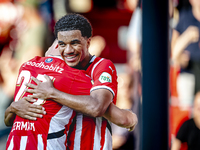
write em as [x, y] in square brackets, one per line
[49, 60]
[26, 126]
[105, 77]
[42, 65]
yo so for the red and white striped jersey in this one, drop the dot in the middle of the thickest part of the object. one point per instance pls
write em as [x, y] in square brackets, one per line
[49, 132]
[89, 133]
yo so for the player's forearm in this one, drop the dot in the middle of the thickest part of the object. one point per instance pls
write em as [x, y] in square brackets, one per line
[85, 104]
[9, 116]
[121, 117]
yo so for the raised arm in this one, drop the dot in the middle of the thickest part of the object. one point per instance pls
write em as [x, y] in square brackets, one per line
[180, 42]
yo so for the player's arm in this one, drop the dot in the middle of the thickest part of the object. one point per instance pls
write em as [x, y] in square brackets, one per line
[93, 105]
[23, 109]
[9, 117]
[121, 117]
[176, 144]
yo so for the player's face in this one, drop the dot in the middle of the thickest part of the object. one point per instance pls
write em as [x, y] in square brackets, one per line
[73, 48]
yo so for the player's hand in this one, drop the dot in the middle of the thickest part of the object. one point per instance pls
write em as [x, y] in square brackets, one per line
[134, 120]
[132, 128]
[27, 110]
[42, 90]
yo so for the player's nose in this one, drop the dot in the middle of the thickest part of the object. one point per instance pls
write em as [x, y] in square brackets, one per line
[68, 49]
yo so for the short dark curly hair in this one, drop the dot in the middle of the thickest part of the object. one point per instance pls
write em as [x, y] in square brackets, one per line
[74, 22]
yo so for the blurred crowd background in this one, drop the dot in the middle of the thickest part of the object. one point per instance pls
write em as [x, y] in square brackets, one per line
[26, 30]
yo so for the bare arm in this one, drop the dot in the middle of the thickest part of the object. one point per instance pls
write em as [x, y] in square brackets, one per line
[127, 118]
[180, 42]
[93, 105]
[9, 116]
[23, 109]
[176, 145]
[97, 104]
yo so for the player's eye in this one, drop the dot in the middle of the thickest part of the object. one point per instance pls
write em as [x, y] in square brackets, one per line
[75, 42]
[61, 44]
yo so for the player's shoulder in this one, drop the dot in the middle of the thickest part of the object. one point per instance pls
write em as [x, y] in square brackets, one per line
[39, 58]
[30, 60]
[98, 61]
[103, 65]
[45, 62]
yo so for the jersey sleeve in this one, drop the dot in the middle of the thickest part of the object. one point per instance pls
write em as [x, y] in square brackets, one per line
[105, 77]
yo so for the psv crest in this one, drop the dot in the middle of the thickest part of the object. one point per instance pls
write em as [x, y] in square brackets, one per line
[49, 60]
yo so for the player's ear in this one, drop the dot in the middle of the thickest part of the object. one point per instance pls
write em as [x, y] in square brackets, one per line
[88, 42]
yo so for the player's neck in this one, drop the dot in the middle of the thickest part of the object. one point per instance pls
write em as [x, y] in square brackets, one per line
[84, 64]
